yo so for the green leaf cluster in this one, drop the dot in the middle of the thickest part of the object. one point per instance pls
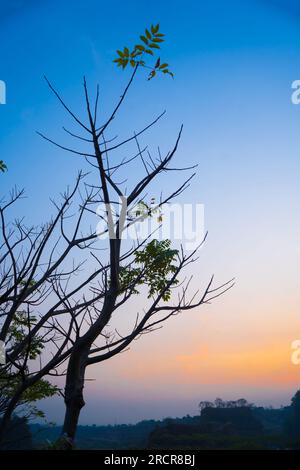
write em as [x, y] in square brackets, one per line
[150, 41]
[153, 267]
[41, 389]
[3, 167]
[19, 329]
[9, 383]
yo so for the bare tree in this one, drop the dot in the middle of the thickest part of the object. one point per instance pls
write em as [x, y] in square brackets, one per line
[151, 264]
[43, 291]
[64, 287]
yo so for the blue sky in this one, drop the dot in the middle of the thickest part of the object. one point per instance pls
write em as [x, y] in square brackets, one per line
[234, 63]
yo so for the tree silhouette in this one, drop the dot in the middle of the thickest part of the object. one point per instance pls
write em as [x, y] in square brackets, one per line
[292, 423]
[85, 298]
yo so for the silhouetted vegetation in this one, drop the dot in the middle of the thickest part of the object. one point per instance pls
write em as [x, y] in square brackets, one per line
[292, 421]
[232, 425]
[18, 435]
[220, 425]
[121, 436]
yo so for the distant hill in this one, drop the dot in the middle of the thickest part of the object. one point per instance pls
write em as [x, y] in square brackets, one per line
[215, 428]
[238, 421]
[121, 436]
[227, 428]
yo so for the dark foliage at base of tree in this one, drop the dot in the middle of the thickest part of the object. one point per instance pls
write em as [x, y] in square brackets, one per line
[18, 435]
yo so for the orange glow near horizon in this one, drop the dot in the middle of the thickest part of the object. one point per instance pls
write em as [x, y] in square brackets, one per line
[220, 356]
[269, 366]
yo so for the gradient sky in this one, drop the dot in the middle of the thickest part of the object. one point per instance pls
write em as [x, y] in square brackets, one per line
[234, 63]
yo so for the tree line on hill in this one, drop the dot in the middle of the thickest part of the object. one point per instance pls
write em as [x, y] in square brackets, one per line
[220, 424]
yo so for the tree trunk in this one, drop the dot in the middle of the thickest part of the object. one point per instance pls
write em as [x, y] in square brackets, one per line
[75, 376]
[73, 398]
